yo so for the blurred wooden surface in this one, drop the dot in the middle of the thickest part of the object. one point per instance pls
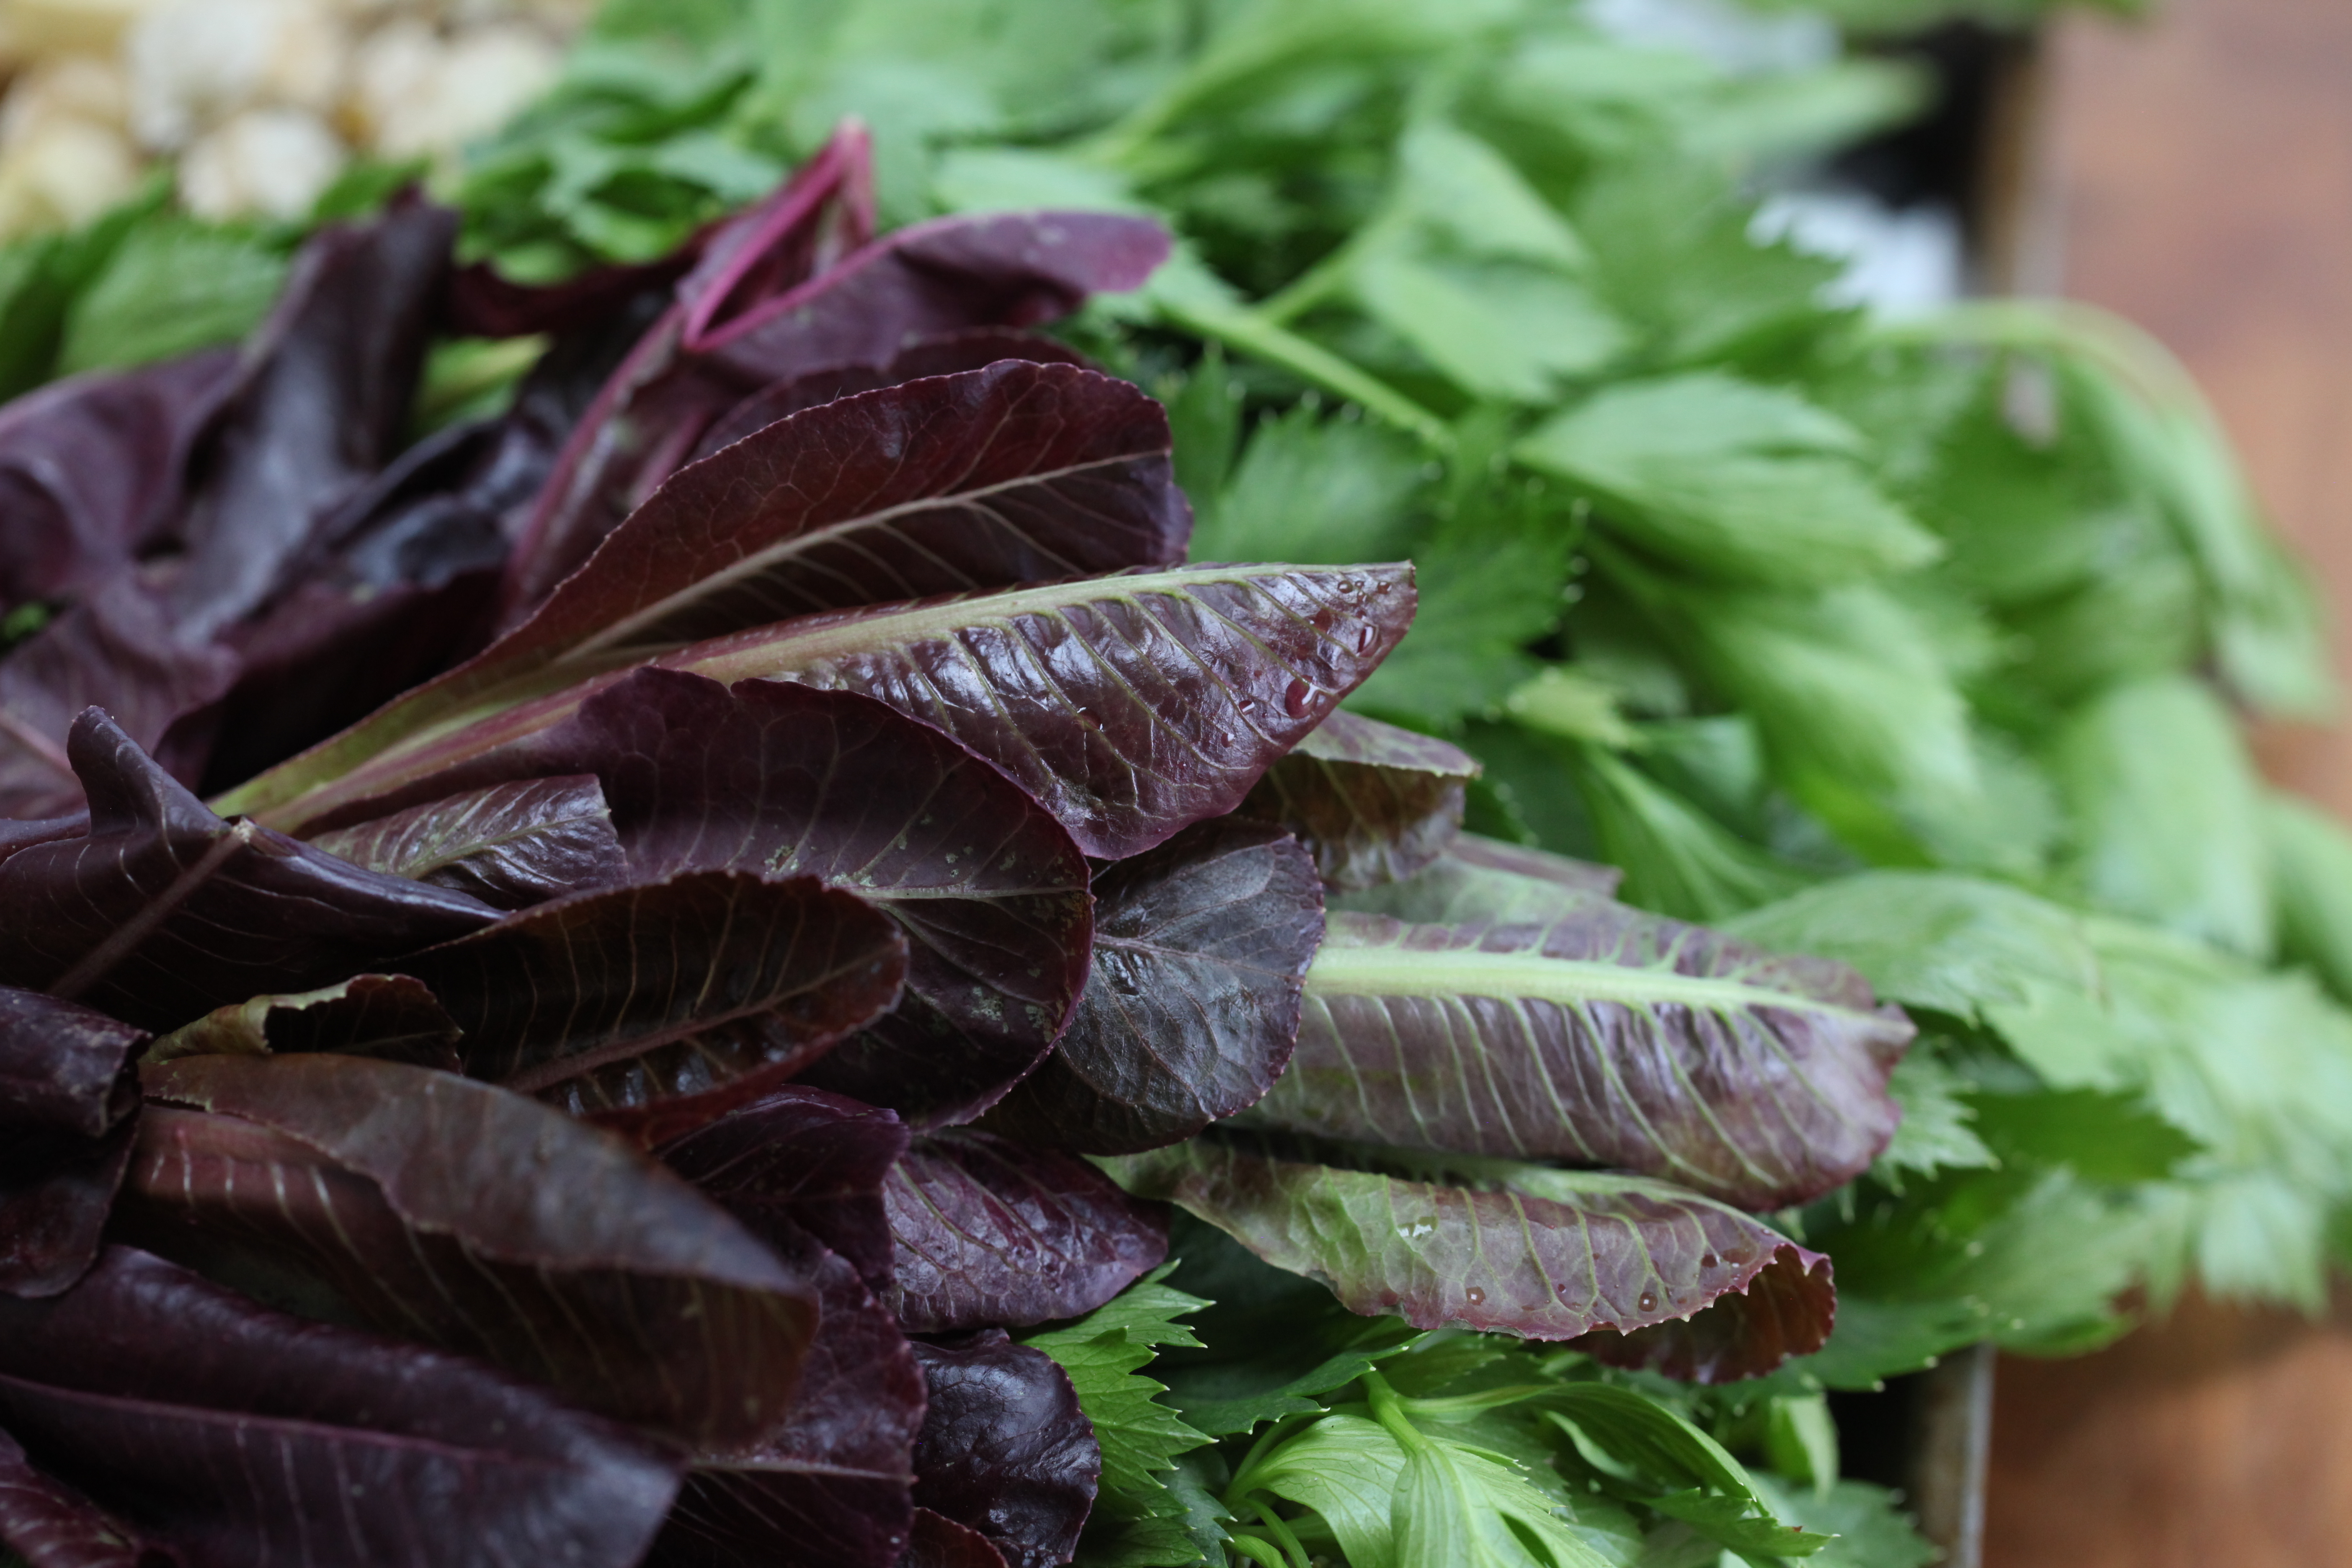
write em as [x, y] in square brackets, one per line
[2194, 172]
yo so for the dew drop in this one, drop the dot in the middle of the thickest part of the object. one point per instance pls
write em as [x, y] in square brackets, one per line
[1247, 705]
[1649, 1301]
[1708, 1260]
[1365, 637]
[1322, 619]
[1297, 699]
[1474, 1295]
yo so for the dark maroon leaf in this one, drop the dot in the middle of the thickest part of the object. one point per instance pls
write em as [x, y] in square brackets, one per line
[67, 1093]
[511, 845]
[482, 304]
[1373, 803]
[659, 400]
[657, 1006]
[50, 1525]
[391, 1017]
[1609, 1037]
[480, 1221]
[1131, 705]
[945, 355]
[1192, 1008]
[324, 392]
[92, 469]
[64, 1069]
[240, 1436]
[1483, 879]
[801, 1160]
[784, 780]
[163, 911]
[986, 1232]
[114, 651]
[939, 1541]
[830, 1487]
[1540, 1253]
[1000, 269]
[1005, 1449]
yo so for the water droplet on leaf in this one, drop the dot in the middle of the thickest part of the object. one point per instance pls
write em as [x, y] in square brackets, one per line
[1474, 1295]
[1298, 699]
[1649, 1301]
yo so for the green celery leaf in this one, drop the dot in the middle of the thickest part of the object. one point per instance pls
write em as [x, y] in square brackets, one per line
[1103, 1353]
[175, 284]
[1347, 1469]
[2103, 1137]
[1316, 490]
[1871, 1531]
[1936, 1132]
[2310, 875]
[1455, 1508]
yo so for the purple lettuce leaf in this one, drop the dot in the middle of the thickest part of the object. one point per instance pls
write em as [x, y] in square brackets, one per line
[1005, 1451]
[50, 1525]
[509, 845]
[1373, 803]
[163, 911]
[781, 780]
[987, 1232]
[656, 1007]
[324, 395]
[939, 1541]
[114, 651]
[830, 1486]
[1610, 1036]
[1131, 705]
[92, 469]
[236, 1435]
[483, 303]
[394, 1018]
[1191, 1007]
[801, 1160]
[67, 1094]
[656, 403]
[945, 355]
[1540, 1253]
[1477, 879]
[457, 1213]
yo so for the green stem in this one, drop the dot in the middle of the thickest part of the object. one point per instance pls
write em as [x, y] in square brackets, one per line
[1249, 332]
[1388, 1409]
[1282, 1534]
[1256, 1551]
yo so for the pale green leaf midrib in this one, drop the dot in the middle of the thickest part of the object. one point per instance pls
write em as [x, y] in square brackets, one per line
[1348, 970]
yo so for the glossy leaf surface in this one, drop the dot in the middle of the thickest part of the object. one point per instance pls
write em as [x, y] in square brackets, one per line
[394, 1016]
[654, 1007]
[1477, 879]
[1192, 1008]
[939, 1541]
[1373, 803]
[830, 1486]
[50, 1525]
[163, 911]
[237, 1434]
[801, 1160]
[479, 1220]
[511, 845]
[1608, 1037]
[1591, 1252]
[1006, 1449]
[986, 1232]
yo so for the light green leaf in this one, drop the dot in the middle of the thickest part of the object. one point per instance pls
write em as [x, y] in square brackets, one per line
[1103, 1353]
[2310, 875]
[175, 286]
[1456, 1508]
[1503, 330]
[1313, 489]
[1347, 1468]
[1935, 1133]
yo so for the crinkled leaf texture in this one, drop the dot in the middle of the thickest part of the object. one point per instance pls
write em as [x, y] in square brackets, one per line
[67, 1095]
[779, 780]
[831, 1485]
[939, 1541]
[1480, 878]
[394, 1016]
[986, 1232]
[800, 1160]
[1548, 1255]
[448, 1210]
[161, 911]
[656, 1007]
[1130, 705]
[1610, 1037]
[1191, 1007]
[1373, 803]
[234, 1435]
[1006, 1449]
[509, 845]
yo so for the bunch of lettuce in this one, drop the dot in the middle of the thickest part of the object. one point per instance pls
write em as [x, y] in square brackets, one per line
[742, 880]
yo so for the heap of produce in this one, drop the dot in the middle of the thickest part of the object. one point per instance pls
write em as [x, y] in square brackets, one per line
[644, 831]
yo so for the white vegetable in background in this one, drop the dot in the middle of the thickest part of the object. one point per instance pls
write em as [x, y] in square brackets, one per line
[261, 103]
